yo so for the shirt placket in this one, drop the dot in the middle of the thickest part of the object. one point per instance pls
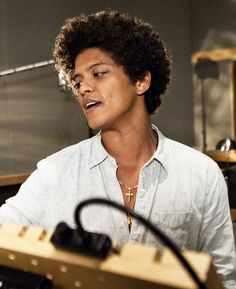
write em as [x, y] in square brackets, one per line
[147, 189]
[118, 219]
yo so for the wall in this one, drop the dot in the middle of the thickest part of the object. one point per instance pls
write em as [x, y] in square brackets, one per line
[213, 26]
[36, 118]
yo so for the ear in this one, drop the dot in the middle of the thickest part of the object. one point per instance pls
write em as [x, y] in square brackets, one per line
[143, 85]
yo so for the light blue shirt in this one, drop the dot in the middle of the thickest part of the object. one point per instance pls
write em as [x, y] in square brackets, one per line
[180, 190]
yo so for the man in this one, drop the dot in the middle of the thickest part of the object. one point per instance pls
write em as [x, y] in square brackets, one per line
[118, 69]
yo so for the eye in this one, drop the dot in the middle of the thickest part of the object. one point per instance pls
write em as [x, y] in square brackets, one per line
[77, 85]
[99, 73]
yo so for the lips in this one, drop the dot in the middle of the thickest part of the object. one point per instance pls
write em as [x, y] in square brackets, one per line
[91, 104]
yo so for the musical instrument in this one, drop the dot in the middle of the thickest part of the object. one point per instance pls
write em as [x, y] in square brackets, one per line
[136, 266]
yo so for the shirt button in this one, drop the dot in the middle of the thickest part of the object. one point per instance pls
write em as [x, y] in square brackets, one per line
[121, 226]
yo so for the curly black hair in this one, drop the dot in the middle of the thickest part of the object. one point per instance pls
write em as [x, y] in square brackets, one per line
[131, 43]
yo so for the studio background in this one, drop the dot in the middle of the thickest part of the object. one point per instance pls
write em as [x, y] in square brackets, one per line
[37, 118]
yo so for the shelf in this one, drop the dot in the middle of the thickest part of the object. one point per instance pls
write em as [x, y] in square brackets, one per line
[222, 156]
[16, 179]
[215, 55]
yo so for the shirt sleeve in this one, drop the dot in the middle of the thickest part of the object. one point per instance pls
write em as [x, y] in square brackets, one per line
[27, 207]
[216, 233]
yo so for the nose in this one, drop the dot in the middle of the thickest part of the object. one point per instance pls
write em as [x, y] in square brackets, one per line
[86, 87]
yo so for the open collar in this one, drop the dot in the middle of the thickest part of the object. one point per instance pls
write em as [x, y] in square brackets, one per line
[99, 154]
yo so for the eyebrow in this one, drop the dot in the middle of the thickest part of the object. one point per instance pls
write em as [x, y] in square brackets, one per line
[89, 68]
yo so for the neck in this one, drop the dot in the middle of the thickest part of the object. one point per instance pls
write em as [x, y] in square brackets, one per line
[132, 145]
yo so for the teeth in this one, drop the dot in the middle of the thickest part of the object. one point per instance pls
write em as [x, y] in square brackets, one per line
[90, 104]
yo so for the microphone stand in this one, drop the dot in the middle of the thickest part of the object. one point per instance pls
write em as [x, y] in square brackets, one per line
[26, 67]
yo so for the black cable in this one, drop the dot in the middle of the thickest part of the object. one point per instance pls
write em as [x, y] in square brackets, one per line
[157, 232]
[11, 278]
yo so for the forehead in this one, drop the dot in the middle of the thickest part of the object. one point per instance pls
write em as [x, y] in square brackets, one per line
[89, 59]
[92, 56]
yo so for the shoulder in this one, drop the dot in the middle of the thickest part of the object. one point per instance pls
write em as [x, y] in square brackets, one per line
[70, 154]
[173, 152]
[189, 155]
[198, 172]
[189, 162]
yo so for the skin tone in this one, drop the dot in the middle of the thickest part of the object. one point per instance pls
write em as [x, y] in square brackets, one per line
[116, 106]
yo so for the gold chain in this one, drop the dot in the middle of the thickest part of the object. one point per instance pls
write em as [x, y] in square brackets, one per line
[129, 194]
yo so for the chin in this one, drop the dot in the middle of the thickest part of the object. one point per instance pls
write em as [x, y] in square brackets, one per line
[99, 125]
[93, 125]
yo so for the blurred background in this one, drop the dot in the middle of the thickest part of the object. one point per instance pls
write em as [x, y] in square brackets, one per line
[37, 117]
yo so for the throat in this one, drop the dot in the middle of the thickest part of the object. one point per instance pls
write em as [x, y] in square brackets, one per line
[131, 151]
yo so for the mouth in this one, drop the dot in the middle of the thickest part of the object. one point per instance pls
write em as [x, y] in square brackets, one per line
[91, 105]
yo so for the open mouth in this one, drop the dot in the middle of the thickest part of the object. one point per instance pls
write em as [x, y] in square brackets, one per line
[92, 104]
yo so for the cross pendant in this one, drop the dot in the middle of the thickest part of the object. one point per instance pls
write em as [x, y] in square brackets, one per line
[129, 194]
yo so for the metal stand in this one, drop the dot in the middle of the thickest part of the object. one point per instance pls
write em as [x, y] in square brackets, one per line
[26, 67]
[205, 69]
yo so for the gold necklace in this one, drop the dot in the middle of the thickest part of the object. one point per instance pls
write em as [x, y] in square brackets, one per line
[129, 194]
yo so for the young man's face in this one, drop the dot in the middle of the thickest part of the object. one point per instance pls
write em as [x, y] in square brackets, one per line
[106, 94]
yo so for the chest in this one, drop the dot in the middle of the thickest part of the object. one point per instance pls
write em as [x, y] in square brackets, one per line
[159, 197]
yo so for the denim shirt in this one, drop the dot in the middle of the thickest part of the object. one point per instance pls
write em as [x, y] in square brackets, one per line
[180, 190]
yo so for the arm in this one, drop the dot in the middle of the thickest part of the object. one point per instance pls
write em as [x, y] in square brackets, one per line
[27, 207]
[216, 232]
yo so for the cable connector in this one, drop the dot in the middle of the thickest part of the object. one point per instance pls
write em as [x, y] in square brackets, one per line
[85, 242]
